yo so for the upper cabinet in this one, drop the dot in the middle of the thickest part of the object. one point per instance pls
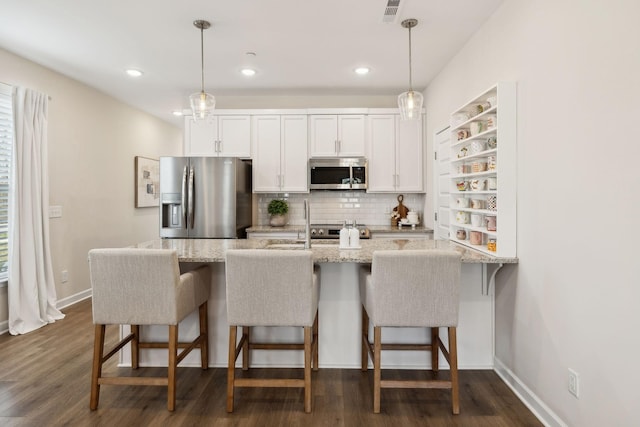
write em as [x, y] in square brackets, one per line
[339, 135]
[395, 154]
[222, 135]
[280, 153]
[483, 172]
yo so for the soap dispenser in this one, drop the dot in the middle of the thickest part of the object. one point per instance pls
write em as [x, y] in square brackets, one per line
[344, 236]
[354, 236]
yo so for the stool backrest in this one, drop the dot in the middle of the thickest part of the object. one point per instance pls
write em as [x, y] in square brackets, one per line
[416, 287]
[134, 286]
[270, 287]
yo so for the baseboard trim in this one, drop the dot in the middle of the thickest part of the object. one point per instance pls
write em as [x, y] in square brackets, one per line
[528, 397]
[72, 299]
[60, 304]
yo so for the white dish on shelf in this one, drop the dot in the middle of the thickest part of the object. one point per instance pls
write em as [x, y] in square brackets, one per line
[349, 247]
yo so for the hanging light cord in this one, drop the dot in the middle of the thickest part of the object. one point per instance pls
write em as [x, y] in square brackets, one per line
[410, 84]
[202, 53]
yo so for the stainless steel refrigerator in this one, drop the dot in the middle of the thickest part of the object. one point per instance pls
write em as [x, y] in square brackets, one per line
[205, 197]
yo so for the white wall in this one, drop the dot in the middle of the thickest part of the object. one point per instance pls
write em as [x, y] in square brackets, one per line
[93, 140]
[572, 302]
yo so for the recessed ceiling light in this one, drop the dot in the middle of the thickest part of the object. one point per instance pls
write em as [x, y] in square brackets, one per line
[177, 113]
[248, 72]
[134, 73]
[362, 70]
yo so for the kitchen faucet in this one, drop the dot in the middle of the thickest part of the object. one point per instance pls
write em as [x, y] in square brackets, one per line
[307, 226]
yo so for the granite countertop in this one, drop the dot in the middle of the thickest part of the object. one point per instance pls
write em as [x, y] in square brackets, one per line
[373, 228]
[213, 250]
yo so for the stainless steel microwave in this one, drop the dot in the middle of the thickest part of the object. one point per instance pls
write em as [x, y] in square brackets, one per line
[338, 174]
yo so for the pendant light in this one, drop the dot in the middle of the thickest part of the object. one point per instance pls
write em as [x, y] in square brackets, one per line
[410, 102]
[202, 103]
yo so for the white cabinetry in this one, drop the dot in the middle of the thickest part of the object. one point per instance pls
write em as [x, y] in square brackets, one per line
[280, 153]
[223, 135]
[483, 172]
[395, 154]
[337, 135]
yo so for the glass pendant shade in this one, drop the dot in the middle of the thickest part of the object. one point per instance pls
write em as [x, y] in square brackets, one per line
[410, 105]
[410, 102]
[202, 105]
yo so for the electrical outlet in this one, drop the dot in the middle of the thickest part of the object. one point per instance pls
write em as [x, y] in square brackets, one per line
[55, 211]
[574, 383]
[64, 277]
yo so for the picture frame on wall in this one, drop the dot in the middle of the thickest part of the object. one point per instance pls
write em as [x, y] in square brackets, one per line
[147, 173]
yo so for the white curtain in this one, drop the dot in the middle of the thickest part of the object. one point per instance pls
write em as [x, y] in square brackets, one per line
[32, 292]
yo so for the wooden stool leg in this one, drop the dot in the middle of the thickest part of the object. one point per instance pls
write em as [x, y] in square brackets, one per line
[377, 375]
[173, 367]
[453, 363]
[231, 367]
[307, 368]
[435, 348]
[204, 333]
[246, 332]
[96, 372]
[317, 343]
[135, 347]
[364, 356]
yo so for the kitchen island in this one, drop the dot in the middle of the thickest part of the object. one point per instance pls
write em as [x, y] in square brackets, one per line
[339, 305]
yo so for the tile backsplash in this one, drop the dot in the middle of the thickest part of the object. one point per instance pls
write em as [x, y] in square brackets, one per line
[329, 207]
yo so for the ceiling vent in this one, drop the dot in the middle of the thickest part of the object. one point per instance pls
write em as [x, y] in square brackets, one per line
[391, 10]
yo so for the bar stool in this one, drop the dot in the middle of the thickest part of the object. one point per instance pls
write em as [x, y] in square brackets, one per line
[271, 288]
[412, 288]
[144, 287]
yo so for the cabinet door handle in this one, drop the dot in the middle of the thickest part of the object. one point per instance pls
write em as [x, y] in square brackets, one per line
[335, 146]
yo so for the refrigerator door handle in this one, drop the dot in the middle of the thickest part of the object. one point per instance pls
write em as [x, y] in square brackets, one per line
[190, 201]
[183, 200]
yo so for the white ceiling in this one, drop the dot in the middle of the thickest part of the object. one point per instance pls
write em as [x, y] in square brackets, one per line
[303, 47]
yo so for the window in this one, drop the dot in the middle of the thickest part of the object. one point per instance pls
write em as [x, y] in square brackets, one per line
[6, 143]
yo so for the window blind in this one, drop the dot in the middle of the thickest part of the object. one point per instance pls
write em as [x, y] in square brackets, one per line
[6, 144]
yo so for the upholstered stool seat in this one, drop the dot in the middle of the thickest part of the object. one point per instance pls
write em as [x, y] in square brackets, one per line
[411, 288]
[144, 287]
[271, 288]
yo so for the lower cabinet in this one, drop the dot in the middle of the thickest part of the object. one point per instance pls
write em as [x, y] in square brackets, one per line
[402, 235]
[275, 235]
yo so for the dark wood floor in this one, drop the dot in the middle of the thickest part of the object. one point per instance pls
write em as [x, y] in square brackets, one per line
[45, 376]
